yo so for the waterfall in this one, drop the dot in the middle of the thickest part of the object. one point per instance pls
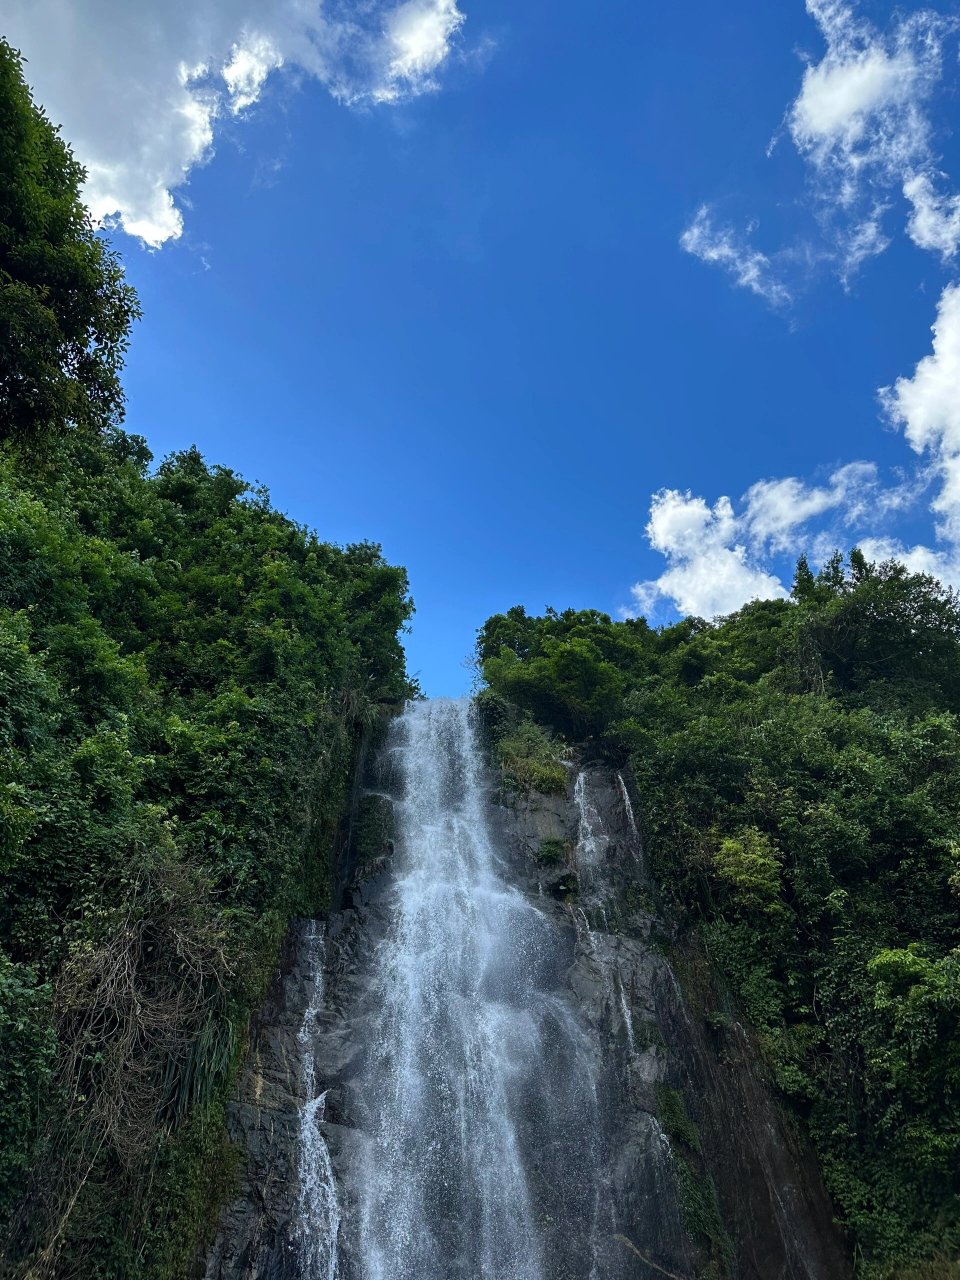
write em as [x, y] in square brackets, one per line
[480, 1041]
[591, 848]
[592, 842]
[319, 1209]
[479, 1084]
[627, 806]
[627, 1019]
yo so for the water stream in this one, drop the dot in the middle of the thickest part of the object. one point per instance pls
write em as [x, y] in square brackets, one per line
[318, 1203]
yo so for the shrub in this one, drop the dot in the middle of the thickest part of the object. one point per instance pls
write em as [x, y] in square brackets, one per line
[532, 760]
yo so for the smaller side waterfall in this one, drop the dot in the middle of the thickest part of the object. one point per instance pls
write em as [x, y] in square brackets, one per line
[627, 806]
[627, 1019]
[319, 1208]
[592, 841]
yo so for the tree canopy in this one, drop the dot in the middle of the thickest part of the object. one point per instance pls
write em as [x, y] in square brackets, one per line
[798, 768]
[65, 308]
[186, 678]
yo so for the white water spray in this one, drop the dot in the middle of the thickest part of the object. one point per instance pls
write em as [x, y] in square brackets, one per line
[445, 1193]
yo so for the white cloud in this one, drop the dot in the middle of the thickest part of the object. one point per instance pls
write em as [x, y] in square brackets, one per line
[941, 564]
[862, 121]
[776, 509]
[709, 569]
[723, 247]
[864, 239]
[418, 36]
[934, 222]
[861, 107]
[718, 557]
[251, 61]
[140, 88]
[927, 406]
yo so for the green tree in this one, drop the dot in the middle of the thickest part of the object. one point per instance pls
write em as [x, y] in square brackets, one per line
[186, 680]
[797, 767]
[65, 309]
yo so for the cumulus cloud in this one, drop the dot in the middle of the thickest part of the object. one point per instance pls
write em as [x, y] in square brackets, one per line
[140, 88]
[723, 247]
[245, 74]
[709, 570]
[776, 509]
[942, 564]
[863, 122]
[860, 110]
[927, 407]
[718, 558]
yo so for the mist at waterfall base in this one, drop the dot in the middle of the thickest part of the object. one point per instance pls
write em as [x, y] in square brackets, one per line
[480, 1087]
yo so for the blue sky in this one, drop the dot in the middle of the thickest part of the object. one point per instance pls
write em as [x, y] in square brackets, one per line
[479, 283]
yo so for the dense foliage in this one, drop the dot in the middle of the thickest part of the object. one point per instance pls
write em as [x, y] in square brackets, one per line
[65, 309]
[185, 677]
[799, 768]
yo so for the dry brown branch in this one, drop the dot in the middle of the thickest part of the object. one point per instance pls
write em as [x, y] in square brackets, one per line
[132, 1011]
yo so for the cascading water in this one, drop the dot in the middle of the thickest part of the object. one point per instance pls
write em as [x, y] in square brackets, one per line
[591, 846]
[460, 1075]
[318, 1205]
[480, 1084]
[592, 841]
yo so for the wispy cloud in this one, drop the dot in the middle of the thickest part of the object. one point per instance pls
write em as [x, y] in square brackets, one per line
[709, 569]
[861, 108]
[724, 247]
[776, 510]
[141, 89]
[417, 40]
[862, 122]
[244, 76]
[720, 556]
[934, 221]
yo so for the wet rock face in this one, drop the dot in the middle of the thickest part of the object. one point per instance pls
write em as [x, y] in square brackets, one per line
[747, 1195]
[692, 1170]
[257, 1233]
[261, 1233]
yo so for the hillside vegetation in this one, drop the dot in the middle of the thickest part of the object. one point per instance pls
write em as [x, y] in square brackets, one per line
[798, 766]
[185, 677]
